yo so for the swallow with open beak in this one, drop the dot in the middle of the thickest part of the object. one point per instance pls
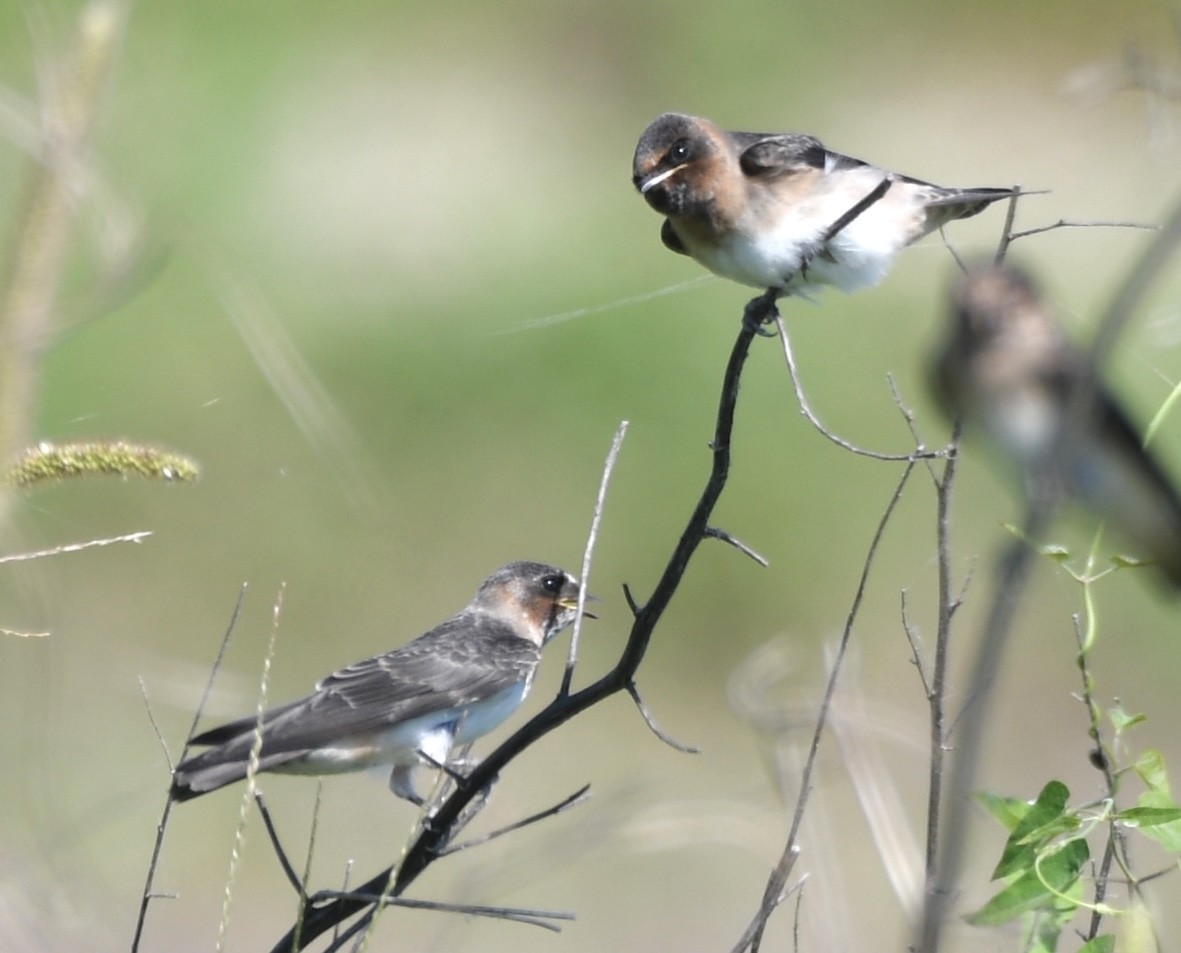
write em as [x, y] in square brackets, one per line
[411, 705]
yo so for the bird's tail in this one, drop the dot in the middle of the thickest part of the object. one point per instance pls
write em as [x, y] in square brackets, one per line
[951, 204]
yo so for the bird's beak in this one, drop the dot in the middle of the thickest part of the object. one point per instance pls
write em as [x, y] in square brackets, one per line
[573, 604]
[644, 185]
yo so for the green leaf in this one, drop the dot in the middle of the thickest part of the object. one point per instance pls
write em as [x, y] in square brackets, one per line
[1122, 561]
[1149, 816]
[1036, 889]
[1008, 811]
[1166, 832]
[1045, 819]
[1101, 944]
[1121, 720]
[1150, 765]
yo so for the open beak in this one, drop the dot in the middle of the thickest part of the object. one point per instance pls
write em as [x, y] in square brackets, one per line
[573, 604]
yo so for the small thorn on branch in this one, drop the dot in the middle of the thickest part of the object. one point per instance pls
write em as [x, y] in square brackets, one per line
[714, 533]
[635, 607]
[655, 728]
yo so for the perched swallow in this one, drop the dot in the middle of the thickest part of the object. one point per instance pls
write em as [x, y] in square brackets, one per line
[446, 688]
[782, 211]
[1009, 368]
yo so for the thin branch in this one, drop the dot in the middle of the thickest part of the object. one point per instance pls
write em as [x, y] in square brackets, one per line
[714, 533]
[1002, 247]
[143, 690]
[634, 691]
[631, 600]
[937, 692]
[148, 892]
[433, 838]
[77, 547]
[919, 452]
[535, 918]
[268, 822]
[1064, 223]
[592, 539]
[774, 891]
[912, 639]
[301, 903]
[560, 808]
[1010, 585]
[252, 764]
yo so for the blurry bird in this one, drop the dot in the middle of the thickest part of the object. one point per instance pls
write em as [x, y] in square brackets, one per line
[1009, 369]
[783, 212]
[446, 688]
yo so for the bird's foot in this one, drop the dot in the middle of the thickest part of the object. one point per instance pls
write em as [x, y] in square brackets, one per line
[761, 311]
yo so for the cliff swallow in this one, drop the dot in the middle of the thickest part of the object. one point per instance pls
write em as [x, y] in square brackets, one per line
[1010, 370]
[780, 211]
[446, 688]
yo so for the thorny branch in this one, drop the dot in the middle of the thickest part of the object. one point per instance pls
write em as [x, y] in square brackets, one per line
[323, 914]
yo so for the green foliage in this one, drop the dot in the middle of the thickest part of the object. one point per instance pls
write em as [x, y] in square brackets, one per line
[1047, 851]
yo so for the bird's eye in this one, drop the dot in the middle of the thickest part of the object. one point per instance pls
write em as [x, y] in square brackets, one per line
[552, 584]
[680, 150]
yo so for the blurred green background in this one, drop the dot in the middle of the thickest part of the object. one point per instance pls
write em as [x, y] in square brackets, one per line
[353, 217]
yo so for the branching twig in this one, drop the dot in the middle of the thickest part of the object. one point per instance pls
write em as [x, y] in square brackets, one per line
[1011, 583]
[148, 893]
[776, 891]
[919, 452]
[937, 689]
[588, 554]
[77, 547]
[714, 533]
[561, 807]
[634, 691]
[1064, 223]
[433, 839]
[280, 854]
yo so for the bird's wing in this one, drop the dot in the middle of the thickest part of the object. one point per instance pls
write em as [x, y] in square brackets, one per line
[464, 660]
[764, 156]
[672, 241]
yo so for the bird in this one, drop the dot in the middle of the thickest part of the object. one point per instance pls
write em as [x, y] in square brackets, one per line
[779, 211]
[1011, 372]
[411, 705]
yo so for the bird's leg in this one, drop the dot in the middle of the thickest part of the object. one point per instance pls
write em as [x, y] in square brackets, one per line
[402, 784]
[760, 311]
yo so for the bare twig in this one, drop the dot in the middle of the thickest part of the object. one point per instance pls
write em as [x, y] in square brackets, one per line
[634, 691]
[937, 689]
[714, 533]
[561, 807]
[588, 553]
[1002, 247]
[1064, 223]
[307, 867]
[535, 918]
[77, 547]
[919, 452]
[252, 763]
[143, 690]
[1010, 585]
[280, 854]
[433, 839]
[148, 892]
[912, 639]
[774, 892]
